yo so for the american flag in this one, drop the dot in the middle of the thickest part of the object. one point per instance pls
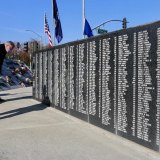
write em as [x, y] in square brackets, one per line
[46, 30]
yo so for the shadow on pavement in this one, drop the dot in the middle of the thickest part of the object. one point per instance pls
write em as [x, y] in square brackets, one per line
[4, 94]
[20, 111]
[19, 98]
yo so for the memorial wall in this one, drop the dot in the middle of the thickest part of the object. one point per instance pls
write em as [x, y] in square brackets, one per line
[111, 81]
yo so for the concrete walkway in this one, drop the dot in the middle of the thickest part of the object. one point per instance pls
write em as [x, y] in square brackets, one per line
[31, 131]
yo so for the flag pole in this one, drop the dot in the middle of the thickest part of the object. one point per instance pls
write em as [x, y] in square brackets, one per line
[83, 16]
[44, 28]
[53, 23]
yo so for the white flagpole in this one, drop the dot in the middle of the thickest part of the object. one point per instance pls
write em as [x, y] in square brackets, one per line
[44, 29]
[83, 16]
[54, 41]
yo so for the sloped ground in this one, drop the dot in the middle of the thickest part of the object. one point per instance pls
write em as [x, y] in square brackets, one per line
[15, 74]
[30, 130]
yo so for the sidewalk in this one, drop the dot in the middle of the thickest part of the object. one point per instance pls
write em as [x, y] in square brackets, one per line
[32, 131]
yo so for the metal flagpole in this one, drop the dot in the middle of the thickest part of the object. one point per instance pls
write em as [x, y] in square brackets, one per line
[83, 16]
[44, 28]
[53, 23]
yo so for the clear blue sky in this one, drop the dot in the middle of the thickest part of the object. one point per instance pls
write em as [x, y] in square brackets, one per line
[20, 15]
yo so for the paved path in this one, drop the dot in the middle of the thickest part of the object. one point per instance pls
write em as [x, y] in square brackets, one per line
[31, 131]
